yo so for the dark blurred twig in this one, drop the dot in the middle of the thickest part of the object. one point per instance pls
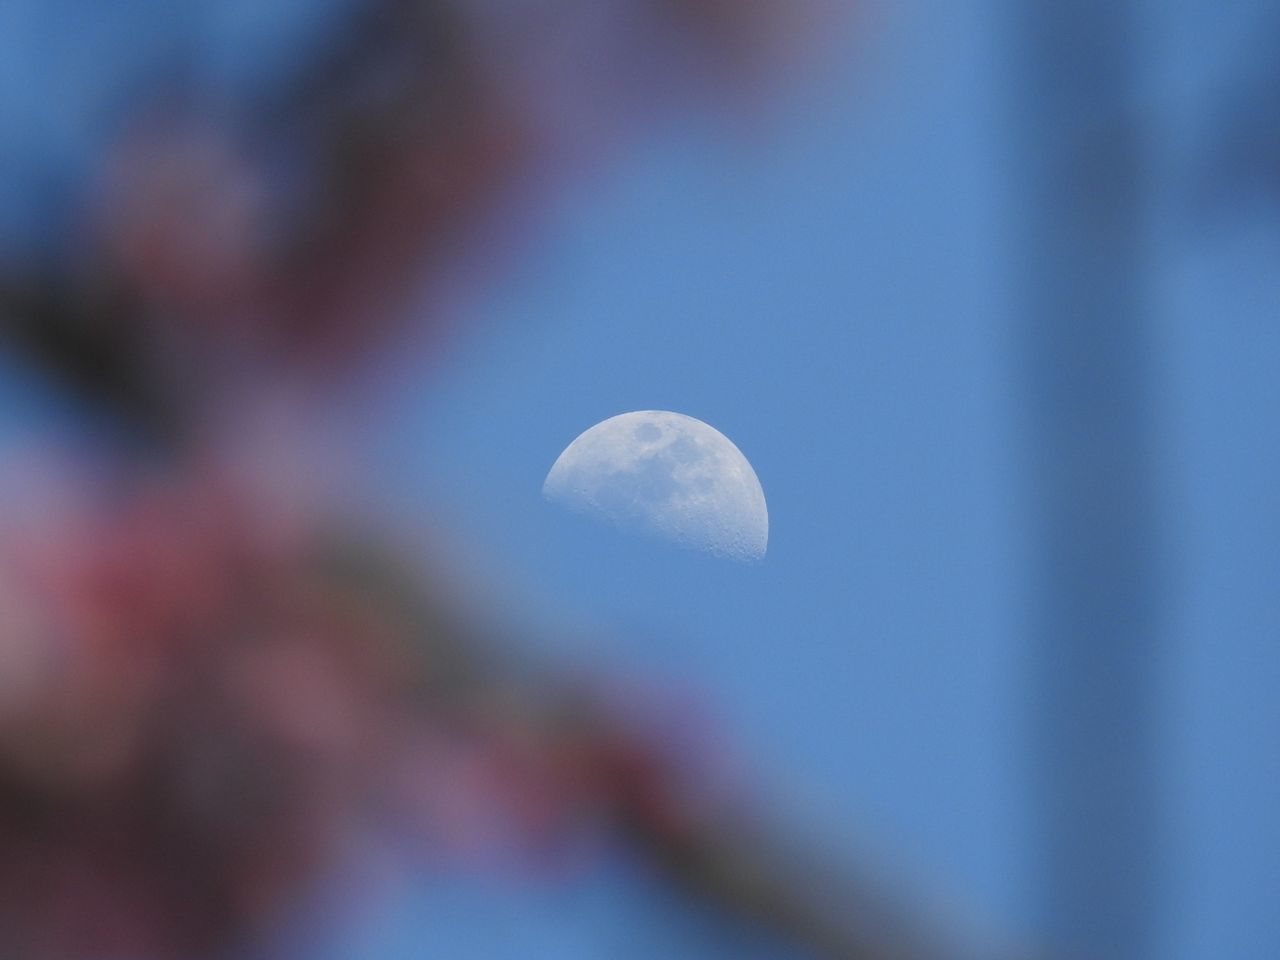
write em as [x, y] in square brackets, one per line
[723, 851]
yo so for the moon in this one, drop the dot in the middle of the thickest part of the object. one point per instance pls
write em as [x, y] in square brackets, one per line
[668, 476]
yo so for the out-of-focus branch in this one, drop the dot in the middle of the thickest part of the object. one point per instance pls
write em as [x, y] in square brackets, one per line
[719, 849]
[291, 238]
[294, 233]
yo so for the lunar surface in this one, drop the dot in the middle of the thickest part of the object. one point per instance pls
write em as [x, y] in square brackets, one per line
[668, 476]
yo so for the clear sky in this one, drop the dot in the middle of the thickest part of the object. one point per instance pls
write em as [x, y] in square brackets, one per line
[824, 291]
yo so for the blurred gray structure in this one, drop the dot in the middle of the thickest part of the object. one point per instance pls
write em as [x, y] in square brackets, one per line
[1095, 630]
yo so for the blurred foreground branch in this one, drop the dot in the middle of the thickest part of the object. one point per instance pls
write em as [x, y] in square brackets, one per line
[200, 705]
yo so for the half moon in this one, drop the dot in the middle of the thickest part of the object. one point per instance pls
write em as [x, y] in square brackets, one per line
[665, 475]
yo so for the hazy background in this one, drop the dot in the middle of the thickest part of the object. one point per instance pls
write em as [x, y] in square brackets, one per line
[847, 288]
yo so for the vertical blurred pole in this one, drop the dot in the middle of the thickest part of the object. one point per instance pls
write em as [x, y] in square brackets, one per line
[1083, 328]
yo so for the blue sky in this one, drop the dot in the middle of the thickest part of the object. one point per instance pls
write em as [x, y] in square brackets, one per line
[828, 296]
